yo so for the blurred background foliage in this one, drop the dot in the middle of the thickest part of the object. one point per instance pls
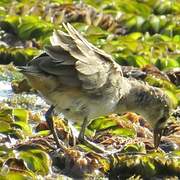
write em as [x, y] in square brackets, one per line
[150, 28]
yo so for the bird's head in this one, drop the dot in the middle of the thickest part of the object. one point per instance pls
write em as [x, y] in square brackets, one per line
[160, 114]
[158, 131]
[158, 110]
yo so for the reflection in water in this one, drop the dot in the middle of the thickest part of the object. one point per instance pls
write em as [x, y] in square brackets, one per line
[5, 90]
[23, 100]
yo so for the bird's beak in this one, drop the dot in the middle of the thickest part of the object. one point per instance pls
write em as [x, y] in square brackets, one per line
[157, 137]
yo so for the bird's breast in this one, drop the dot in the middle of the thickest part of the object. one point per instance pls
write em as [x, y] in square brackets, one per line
[75, 105]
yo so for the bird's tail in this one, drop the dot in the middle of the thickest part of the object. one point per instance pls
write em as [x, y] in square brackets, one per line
[27, 69]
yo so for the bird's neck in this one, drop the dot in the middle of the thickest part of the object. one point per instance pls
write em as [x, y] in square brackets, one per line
[137, 97]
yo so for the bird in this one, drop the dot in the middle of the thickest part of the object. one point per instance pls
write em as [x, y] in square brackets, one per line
[83, 82]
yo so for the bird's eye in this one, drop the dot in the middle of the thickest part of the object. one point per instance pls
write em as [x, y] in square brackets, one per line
[67, 109]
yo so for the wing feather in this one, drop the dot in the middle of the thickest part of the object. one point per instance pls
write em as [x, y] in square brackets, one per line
[95, 71]
[76, 61]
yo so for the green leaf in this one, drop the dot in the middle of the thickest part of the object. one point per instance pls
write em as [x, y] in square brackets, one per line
[43, 133]
[175, 153]
[137, 61]
[37, 160]
[21, 115]
[5, 127]
[130, 23]
[123, 132]
[5, 2]
[134, 148]
[6, 115]
[114, 126]
[156, 81]
[139, 22]
[173, 165]
[176, 38]
[5, 120]
[33, 27]
[5, 152]
[135, 35]
[102, 123]
[15, 122]
[148, 167]
[26, 128]
[19, 56]
[155, 23]
[17, 175]
[167, 63]
[172, 96]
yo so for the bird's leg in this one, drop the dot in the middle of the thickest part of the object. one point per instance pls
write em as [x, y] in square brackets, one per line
[73, 136]
[49, 120]
[83, 129]
[86, 142]
[71, 132]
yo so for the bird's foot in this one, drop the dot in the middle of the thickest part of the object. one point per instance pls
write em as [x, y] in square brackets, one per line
[91, 145]
[81, 138]
[86, 142]
[71, 136]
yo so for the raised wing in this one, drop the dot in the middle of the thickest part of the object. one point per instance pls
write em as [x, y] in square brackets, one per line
[72, 57]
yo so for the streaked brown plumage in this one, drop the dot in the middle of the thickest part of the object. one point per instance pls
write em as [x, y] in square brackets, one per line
[84, 82]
